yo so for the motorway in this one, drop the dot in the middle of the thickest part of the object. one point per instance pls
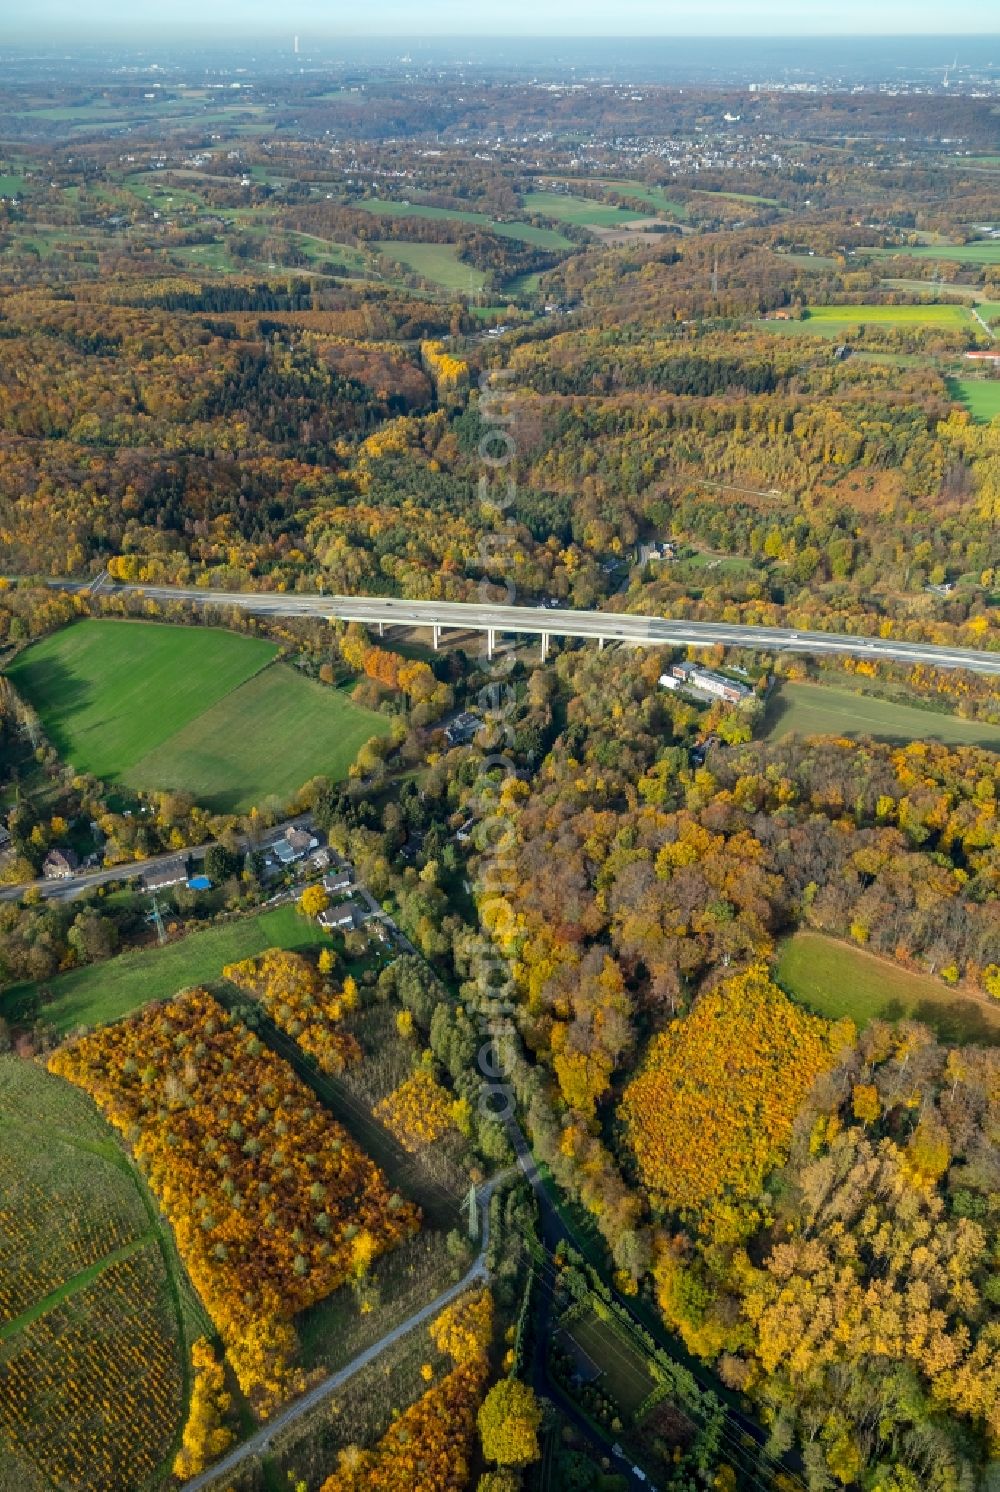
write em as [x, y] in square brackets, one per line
[547, 622]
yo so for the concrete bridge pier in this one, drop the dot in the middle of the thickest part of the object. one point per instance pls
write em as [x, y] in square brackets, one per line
[545, 646]
[491, 642]
[436, 630]
[381, 629]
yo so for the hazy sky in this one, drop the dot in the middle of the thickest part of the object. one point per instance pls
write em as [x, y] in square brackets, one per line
[408, 18]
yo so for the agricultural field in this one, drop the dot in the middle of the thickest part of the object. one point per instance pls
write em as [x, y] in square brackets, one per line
[437, 262]
[980, 251]
[742, 197]
[582, 211]
[94, 1321]
[980, 396]
[655, 196]
[837, 322]
[108, 692]
[164, 707]
[924, 315]
[819, 710]
[524, 232]
[836, 979]
[264, 739]
[810, 261]
[102, 992]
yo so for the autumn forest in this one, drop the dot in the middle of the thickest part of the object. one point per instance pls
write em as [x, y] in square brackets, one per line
[436, 1063]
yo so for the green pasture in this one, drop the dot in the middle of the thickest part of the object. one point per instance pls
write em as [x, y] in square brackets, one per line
[437, 262]
[821, 710]
[981, 397]
[583, 211]
[109, 692]
[655, 196]
[525, 232]
[104, 992]
[163, 707]
[837, 979]
[624, 1373]
[979, 251]
[263, 739]
[928, 314]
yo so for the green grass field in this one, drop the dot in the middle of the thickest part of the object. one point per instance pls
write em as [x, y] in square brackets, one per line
[836, 979]
[957, 317]
[196, 708]
[810, 261]
[264, 739]
[108, 692]
[628, 187]
[820, 710]
[624, 1373]
[981, 251]
[583, 211]
[836, 322]
[981, 396]
[524, 232]
[437, 262]
[100, 993]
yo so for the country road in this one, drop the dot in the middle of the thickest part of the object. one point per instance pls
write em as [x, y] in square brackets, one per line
[68, 888]
[547, 622]
[262, 1438]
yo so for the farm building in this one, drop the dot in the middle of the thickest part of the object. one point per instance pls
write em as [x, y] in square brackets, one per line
[984, 355]
[58, 865]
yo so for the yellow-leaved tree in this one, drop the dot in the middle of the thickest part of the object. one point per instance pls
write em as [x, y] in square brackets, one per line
[508, 1423]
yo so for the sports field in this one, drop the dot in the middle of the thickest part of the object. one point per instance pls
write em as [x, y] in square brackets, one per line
[981, 396]
[92, 1304]
[437, 262]
[583, 211]
[819, 710]
[104, 992]
[195, 708]
[836, 979]
[624, 1374]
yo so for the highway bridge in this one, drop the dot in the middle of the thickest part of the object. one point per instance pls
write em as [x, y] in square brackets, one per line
[546, 622]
